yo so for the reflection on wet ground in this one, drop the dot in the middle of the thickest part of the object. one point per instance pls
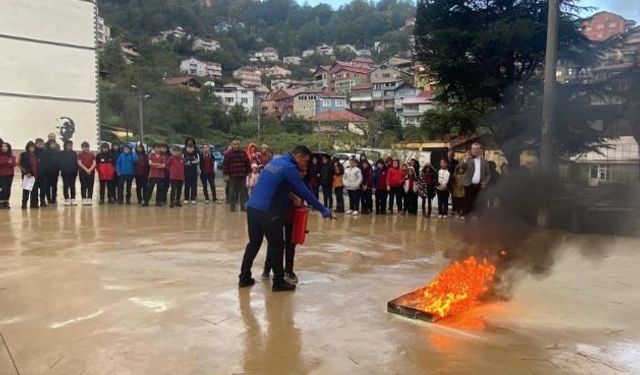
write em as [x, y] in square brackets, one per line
[125, 290]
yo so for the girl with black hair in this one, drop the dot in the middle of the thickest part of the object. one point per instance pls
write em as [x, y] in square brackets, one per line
[30, 168]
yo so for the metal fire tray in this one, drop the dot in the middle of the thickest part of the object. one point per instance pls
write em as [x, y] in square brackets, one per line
[402, 306]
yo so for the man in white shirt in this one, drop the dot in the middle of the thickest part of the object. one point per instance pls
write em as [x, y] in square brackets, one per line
[476, 178]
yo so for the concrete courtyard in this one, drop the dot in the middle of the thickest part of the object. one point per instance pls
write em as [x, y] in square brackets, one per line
[125, 290]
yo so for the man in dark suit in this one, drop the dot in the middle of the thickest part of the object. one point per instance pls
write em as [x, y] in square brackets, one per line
[476, 178]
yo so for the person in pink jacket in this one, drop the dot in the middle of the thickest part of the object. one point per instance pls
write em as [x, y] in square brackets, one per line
[252, 178]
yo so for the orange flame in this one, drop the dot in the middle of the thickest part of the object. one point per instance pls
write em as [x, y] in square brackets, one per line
[455, 289]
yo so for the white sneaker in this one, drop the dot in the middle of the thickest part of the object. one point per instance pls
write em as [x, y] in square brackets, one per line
[185, 202]
[67, 202]
[348, 212]
[87, 202]
[354, 213]
[193, 202]
[73, 202]
[206, 201]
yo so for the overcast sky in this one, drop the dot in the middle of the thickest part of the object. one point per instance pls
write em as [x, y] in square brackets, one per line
[627, 8]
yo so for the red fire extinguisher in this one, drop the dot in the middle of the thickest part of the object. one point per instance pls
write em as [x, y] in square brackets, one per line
[299, 231]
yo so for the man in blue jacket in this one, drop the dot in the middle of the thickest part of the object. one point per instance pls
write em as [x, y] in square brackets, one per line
[126, 169]
[266, 210]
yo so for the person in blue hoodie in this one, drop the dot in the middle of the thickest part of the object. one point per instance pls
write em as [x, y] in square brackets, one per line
[267, 207]
[126, 169]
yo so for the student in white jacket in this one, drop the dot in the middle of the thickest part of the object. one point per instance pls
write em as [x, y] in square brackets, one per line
[442, 189]
[352, 180]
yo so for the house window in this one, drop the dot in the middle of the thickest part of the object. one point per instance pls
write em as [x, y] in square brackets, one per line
[228, 100]
[326, 102]
[386, 75]
[245, 101]
[601, 172]
[340, 103]
[244, 92]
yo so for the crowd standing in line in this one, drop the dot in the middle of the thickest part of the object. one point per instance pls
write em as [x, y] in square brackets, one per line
[385, 187]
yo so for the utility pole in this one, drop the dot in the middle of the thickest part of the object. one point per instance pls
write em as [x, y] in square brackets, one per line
[141, 97]
[141, 110]
[549, 100]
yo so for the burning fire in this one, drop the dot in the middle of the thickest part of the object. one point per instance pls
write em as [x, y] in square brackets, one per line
[455, 289]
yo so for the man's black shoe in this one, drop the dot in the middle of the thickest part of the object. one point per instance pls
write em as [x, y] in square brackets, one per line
[283, 286]
[243, 283]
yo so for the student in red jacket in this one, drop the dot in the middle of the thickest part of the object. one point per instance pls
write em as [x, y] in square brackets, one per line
[175, 166]
[106, 167]
[157, 167]
[7, 171]
[395, 183]
[87, 168]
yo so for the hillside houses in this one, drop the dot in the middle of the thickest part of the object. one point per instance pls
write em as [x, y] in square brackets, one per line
[195, 67]
[292, 60]
[233, 94]
[276, 72]
[169, 35]
[268, 54]
[205, 44]
[312, 101]
[248, 76]
[103, 32]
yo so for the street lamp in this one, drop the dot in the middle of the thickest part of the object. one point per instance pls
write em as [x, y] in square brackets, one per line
[141, 98]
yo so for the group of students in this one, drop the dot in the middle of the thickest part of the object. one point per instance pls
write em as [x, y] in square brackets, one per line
[394, 185]
[116, 168]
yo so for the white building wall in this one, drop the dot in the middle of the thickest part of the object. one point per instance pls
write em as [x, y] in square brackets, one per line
[51, 78]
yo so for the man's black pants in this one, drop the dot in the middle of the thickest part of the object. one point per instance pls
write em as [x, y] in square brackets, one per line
[354, 199]
[124, 182]
[209, 180]
[86, 185]
[289, 251]
[141, 187]
[470, 196]
[238, 191]
[190, 185]
[264, 224]
[69, 185]
[153, 182]
[367, 201]
[381, 201]
[176, 191]
[327, 195]
[397, 192]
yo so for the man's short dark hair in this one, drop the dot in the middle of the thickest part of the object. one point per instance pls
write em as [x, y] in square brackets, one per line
[84, 144]
[39, 140]
[301, 149]
[67, 143]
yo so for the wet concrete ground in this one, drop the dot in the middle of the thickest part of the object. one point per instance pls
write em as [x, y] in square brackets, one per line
[125, 290]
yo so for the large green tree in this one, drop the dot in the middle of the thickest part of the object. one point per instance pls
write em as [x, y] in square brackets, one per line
[487, 59]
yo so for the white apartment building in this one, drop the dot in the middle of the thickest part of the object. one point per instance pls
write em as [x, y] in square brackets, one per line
[177, 33]
[308, 52]
[324, 50]
[232, 94]
[248, 76]
[195, 67]
[292, 60]
[103, 32]
[206, 45]
[268, 54]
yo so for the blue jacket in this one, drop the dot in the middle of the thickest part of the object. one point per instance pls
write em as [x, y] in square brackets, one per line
[126, 164]
[278, 178]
